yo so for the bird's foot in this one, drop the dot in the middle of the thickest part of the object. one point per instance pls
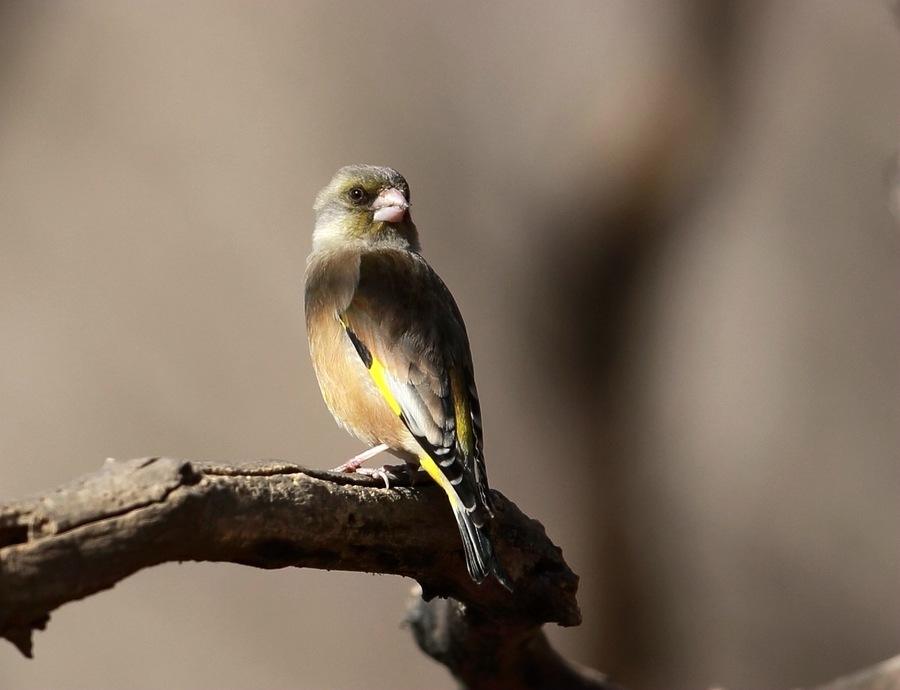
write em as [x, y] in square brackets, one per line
[354, 463]
[387, 474]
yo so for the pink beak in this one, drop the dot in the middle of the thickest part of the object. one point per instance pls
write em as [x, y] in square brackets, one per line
[390, 206]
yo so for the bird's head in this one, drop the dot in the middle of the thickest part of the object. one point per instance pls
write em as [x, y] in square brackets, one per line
[366, 204]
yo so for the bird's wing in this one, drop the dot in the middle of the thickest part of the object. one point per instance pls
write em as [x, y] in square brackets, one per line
[408, 331]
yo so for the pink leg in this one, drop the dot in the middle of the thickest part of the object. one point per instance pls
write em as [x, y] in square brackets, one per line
[354, 463]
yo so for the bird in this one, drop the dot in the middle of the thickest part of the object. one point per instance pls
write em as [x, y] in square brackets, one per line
[390, 349]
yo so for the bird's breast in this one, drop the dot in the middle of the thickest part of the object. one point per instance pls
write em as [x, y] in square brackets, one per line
[346, 384]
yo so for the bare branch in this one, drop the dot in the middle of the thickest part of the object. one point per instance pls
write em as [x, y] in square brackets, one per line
[485, 654]
[86, 536]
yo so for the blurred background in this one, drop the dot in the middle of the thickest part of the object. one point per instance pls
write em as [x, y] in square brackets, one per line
[668, 225]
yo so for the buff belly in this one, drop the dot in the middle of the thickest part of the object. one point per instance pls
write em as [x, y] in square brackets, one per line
[351, 395]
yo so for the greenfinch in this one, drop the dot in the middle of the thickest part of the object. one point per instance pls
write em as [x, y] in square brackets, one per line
[390, 349]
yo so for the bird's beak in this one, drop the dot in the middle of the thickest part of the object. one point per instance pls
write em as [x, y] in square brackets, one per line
[390, 206]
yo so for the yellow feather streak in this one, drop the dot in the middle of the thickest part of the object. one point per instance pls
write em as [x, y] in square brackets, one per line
[430, 466]
[462, 412]
[379, 376]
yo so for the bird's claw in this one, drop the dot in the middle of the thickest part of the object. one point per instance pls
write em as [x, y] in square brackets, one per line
[379, 472]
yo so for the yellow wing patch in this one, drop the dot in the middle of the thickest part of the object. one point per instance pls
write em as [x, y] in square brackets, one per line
[430, 466]
[379, 375]
[375, 367]
[463, 412]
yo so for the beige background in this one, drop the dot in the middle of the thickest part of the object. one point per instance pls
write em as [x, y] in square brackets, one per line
[667, 225]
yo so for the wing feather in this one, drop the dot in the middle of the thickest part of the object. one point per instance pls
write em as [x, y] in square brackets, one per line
[407, 329]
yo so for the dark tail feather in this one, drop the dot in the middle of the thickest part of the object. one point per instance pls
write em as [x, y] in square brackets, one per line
[481, 560]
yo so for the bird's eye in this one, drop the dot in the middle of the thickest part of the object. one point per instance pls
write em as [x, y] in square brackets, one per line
[357, 195]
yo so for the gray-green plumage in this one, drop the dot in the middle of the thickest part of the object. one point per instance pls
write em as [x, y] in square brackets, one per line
[375, 308]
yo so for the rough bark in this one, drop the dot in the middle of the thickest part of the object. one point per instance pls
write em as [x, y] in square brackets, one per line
[86, 536]
[486, 654]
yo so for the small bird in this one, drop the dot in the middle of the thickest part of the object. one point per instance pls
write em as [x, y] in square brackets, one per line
[390, 349]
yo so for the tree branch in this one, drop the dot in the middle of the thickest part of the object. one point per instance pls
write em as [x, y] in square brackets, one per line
[486, 654]
[88, 535]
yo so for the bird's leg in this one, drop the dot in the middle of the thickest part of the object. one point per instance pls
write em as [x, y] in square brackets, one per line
[354, 463]
[385, 474]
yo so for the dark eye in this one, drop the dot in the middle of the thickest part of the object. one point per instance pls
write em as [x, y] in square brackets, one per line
[357, 195]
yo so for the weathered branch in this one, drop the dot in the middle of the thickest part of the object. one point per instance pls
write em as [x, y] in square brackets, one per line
[86, 536]
[486, 654]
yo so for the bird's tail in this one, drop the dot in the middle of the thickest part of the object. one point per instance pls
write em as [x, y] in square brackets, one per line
[481, 560]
